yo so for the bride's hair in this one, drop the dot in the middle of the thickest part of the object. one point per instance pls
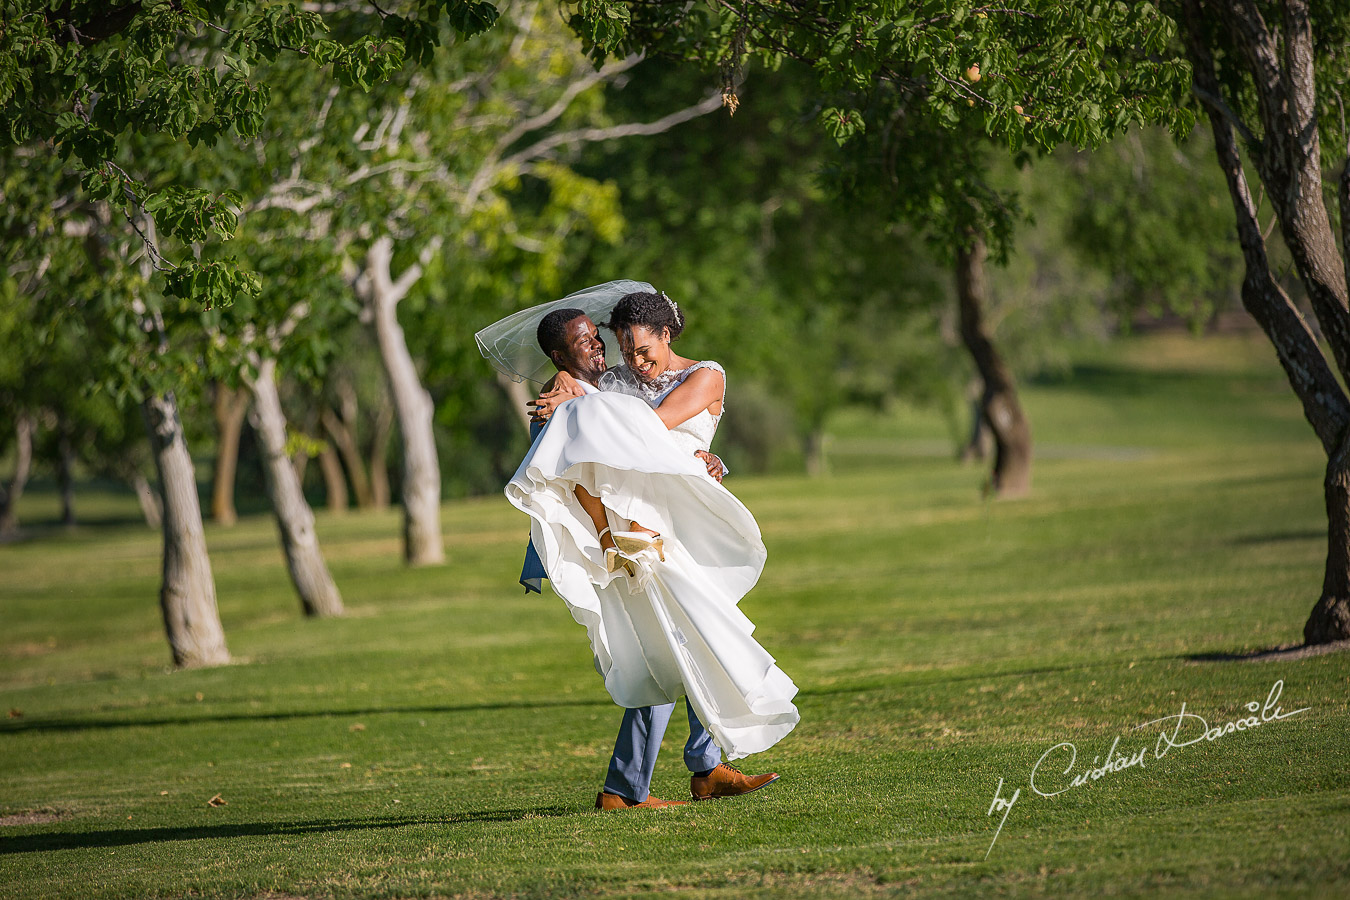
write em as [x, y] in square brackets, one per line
[552, 331]
[651, 311]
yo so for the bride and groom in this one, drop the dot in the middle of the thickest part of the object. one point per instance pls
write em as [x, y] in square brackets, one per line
[637, 535]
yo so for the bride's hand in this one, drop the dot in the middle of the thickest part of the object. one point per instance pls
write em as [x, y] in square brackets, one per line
[716, 468]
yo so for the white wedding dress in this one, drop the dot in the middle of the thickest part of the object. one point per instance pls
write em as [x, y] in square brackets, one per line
[675, 628]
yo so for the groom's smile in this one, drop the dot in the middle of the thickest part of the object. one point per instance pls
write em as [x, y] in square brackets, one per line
[585, 349]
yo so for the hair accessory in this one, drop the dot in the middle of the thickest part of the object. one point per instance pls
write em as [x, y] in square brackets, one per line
[674, 307]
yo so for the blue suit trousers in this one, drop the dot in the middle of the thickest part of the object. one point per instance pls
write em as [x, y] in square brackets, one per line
[639, 741]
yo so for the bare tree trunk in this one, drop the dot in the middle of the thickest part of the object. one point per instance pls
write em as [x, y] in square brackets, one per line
[979, 445]
[300, 463]
[229, 406]
[65, 477]
[422, 543]
[295, 520]
[817, 465]
[379, 457]
[151, 507]
[187, 596]
[1330, 617]
[334, 481]
[1283, 159]
[23, 467]
[520, 395]
[341, 429]
[1001, 409]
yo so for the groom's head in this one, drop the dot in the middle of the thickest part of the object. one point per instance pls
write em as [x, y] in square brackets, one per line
[571, 340]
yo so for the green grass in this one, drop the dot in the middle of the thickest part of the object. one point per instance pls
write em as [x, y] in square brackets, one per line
[448, 736]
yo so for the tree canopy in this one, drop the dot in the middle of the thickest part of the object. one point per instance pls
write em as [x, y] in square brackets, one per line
[85, 77]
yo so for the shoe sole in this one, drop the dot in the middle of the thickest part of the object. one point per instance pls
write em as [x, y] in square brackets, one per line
[741, 794]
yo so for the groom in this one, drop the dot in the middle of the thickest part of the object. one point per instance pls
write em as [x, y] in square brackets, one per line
[570, 339]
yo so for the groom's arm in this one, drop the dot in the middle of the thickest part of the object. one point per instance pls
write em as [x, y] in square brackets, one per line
[558, 390]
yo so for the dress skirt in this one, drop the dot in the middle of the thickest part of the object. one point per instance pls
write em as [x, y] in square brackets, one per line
[674, 629]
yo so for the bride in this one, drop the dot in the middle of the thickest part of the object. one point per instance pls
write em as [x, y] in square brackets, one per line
[651, 553]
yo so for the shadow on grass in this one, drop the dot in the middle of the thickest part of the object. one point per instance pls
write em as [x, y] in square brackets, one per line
[12, 727]
[1283, 653]
[16, 726]
[128, 837]
[1275, 537]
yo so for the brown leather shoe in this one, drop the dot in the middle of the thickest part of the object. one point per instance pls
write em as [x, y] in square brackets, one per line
[607, 801]
[727, 781]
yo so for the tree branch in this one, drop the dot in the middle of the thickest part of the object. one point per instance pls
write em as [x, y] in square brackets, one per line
[383, 287]
[1217, 104]
[276, 334]
[491, 167]
[540, 149]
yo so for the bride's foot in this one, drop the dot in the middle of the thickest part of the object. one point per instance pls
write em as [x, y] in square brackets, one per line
[639, 539]
[614, 561]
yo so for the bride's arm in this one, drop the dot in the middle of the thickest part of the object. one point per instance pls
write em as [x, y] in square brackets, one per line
[560, 388]
[699, 391]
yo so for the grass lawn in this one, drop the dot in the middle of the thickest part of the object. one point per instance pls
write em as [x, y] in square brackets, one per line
[448, 736]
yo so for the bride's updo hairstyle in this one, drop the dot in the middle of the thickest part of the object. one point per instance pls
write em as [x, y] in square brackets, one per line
[651, 311]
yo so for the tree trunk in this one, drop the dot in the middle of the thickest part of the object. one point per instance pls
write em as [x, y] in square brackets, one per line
[817, 465]
[1330, 617]
[422, 543]
[65, 477]
[341, 429]
[295, 520]
[1325, 404]
[379, 457]
[23, 467]
[300, 463]
[229, 406]
[334, 480]
[520, 395]
[979, 444]
[1011, 476]
[187, 596]
[1289, 156]
[151, 508]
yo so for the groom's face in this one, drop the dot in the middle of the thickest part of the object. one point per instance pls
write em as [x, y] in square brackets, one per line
[584, 357]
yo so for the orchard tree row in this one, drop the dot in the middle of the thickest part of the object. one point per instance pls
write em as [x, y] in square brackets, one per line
[308, 209]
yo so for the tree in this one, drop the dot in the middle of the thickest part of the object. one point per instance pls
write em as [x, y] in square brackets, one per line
[1149, 212]
[936, 176]
[23, 467]
[428, 184]
[319, 596]
[811, 301]
[116, 90]
[228, 407]
[1271, 80]
[916, 90]
[87, 76]
[70, 277]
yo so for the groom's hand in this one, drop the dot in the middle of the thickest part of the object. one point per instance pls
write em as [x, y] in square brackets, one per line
[716, 468]
[565, 387]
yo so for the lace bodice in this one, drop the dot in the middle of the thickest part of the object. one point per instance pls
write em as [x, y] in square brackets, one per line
[696, 432]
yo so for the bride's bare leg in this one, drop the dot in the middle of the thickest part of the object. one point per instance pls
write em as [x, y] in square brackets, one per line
[596, 510]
